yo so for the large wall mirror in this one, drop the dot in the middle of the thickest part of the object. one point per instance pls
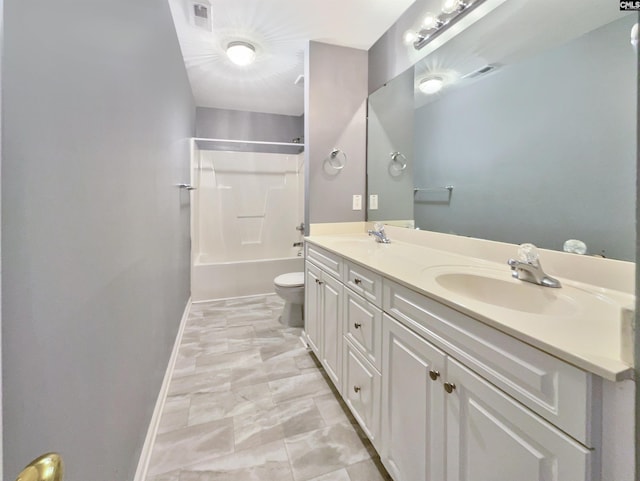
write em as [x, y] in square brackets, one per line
[532, 137]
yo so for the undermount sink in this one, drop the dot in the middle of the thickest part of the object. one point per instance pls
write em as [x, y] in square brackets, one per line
[499, 289]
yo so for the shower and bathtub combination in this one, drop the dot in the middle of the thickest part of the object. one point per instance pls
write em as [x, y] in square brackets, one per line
[246, 213]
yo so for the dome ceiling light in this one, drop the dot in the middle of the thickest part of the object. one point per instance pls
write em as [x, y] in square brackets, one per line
[241, 53]
[431, 85]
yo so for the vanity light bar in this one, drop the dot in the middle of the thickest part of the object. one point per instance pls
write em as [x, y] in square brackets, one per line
[444, 21]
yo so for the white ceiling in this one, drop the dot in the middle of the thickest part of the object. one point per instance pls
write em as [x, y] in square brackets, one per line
[279, 29]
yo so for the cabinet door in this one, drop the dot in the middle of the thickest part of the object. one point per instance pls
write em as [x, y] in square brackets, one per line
[312, 307]
[412, 405]
[331, 331]
[490, 436]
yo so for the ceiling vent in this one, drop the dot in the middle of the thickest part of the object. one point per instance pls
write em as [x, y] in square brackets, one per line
[200, 14]
[481, 71]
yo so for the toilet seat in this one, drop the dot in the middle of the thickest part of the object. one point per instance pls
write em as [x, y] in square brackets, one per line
[290, 279]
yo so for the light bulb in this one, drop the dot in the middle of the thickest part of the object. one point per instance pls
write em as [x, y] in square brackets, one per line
[409, 37]
[241, 53]
[430, 21]
[431, 85]
[450, 6]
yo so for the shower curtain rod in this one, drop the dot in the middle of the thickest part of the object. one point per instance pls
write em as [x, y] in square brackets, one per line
[252, 142]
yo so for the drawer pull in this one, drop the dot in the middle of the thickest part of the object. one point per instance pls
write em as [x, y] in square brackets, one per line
[356, 389]
[357, 325]
[433, 374]
[449, 387]
[358, 281]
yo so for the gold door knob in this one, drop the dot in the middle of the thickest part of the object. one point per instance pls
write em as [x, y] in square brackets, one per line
[357, 325]
[356, 389]
[433, 374]
[48, 467]
[449, 387]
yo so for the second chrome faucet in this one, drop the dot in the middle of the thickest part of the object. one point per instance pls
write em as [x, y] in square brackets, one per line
[528, 268]
[379, 234]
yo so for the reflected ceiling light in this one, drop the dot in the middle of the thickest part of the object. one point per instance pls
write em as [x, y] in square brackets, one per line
[634, 37]
[434, 25]
[241, 53]
[431, 85]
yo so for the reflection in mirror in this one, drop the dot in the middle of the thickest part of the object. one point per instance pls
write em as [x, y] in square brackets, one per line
[539, 147]
[390, 147]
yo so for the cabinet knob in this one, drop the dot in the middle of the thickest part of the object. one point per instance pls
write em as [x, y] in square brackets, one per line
[358, 281]
[357, 325]
[433, 374]
[449, 387]
[356, 389]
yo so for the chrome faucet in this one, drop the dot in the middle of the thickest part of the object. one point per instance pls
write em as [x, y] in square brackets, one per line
[379, 234]
[528, 268]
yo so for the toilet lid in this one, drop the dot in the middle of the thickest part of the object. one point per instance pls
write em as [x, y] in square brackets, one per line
[290, 279]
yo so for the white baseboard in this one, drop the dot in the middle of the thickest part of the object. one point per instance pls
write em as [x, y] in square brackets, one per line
[248, 296]
[147, 447]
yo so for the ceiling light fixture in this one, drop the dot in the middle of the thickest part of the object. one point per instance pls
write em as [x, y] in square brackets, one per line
[452, 12]
[431, 85]
[241, 53]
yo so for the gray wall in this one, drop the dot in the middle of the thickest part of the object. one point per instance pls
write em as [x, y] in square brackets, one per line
[95, 235]
[389, 56]
[335, 117]
[390, 112]
[241, 125]
[541, 151]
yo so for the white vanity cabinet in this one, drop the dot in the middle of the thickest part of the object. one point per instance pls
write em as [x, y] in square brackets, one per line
[442, 421]
[323, 310]
[442, 395]
[343, 327]
[362, 352]
[412, 405]
[490, 436]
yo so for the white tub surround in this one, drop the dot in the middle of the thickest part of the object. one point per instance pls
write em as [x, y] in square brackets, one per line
[245, 210]
[436, 349]
[594, 337]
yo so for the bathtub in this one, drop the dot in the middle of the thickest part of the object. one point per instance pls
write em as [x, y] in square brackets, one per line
[219, 280]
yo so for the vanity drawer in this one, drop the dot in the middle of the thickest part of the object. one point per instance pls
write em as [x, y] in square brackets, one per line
[563, 394]
[363, 326]
[362, 391]
[363, 281]
[327, 261]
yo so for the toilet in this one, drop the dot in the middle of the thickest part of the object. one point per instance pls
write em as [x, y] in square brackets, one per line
[290, 287]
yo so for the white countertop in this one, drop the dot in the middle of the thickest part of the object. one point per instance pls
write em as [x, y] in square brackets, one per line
[592, 336]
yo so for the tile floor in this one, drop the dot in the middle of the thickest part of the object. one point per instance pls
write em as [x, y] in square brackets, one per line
[248, 402]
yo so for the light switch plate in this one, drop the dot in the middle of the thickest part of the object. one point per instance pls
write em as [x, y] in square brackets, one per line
[373, 202]
[357, 202]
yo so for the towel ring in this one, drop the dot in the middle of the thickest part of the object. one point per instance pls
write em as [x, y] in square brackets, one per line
[398, 163]
[337, 159]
